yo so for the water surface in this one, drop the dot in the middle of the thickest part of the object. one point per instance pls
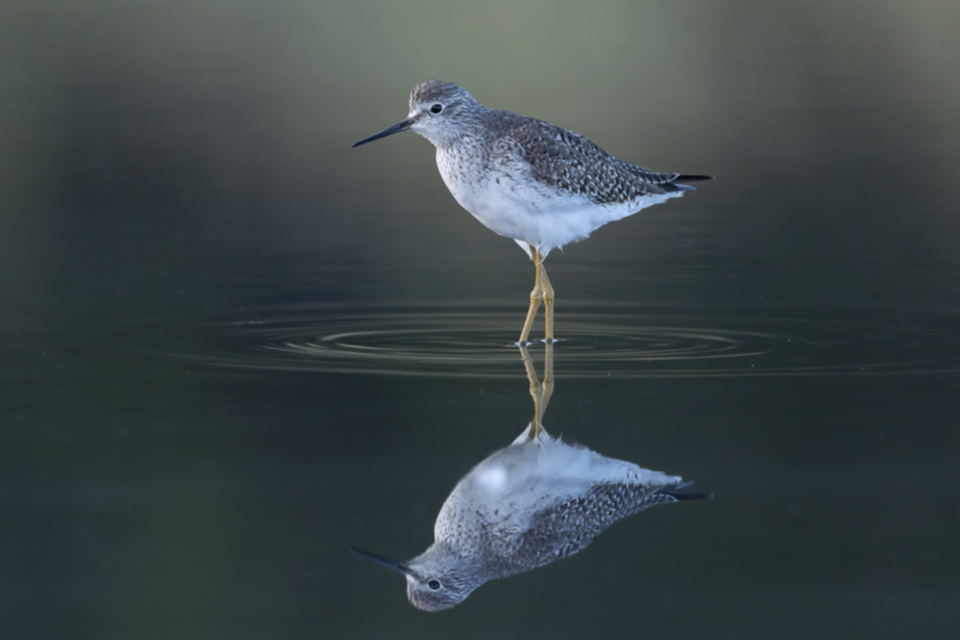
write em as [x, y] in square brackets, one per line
[231, 346]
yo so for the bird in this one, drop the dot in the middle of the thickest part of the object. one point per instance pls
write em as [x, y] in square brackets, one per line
[529, 180]
[533, 502]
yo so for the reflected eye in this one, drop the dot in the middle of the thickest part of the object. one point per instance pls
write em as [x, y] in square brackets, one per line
[437, 108]
[434, 584]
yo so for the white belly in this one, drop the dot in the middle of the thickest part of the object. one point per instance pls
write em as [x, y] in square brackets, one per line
[527, 211]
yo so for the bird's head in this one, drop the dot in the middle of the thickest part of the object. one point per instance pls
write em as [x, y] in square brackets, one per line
[441, 112]
[437, 579]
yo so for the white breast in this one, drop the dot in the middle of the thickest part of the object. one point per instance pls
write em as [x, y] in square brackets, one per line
[506, 200]
[513, 484]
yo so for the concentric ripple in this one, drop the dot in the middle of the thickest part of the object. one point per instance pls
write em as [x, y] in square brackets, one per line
[594, 342]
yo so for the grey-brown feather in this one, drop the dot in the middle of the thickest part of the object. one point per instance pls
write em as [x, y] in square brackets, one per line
[554, 157]
[567, 527]
[568, 162]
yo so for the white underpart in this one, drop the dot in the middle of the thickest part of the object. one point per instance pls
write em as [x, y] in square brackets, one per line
[532, 213]
[515, 482]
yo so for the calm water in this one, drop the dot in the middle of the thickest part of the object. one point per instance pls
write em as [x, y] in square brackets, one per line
[232, 346]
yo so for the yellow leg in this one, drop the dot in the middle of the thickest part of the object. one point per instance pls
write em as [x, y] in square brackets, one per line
[547, 379]
[536, 391]
[536, 296]
[547, 292]
[539, 391]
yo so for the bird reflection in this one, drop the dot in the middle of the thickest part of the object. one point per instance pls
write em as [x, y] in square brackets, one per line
[526, 505]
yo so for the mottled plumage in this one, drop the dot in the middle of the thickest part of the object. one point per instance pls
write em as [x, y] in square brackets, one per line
[527, 168]
[526, 179]
[533, 502]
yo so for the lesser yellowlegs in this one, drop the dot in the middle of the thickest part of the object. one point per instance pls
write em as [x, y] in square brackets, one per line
[525, 506]
[527, 179]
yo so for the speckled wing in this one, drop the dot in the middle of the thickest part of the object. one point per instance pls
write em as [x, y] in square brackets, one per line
[571, 525]
[567, 162]
[524, 542]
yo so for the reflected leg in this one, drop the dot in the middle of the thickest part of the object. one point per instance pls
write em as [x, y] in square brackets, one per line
[547, 379]
[536, 391]
[539, 391]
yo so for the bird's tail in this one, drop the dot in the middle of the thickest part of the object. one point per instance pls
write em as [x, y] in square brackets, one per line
[674, 493]
[690, 496]
[686, 178]
[683, 177]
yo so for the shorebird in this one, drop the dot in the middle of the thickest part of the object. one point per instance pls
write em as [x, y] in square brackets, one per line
[526, 505]
[529, 180]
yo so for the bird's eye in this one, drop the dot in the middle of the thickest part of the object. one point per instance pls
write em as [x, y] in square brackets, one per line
[437, 108]
[434, 584]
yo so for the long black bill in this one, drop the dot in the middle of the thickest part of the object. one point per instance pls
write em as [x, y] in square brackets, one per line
[397, 128]
[389, 563]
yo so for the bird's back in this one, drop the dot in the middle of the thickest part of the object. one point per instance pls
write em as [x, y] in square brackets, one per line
[569, 526]
[573, 165]
[541, 499]
[546, 186]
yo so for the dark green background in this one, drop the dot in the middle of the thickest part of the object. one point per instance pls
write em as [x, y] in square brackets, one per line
[171, 172]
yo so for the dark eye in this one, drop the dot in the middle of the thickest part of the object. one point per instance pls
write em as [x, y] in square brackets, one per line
[434, 584]
[437, 108]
